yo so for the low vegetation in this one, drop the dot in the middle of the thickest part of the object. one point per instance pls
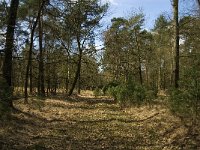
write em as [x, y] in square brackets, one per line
[93, 123]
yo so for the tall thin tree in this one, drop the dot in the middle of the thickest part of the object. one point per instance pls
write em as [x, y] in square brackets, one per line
[30, 51]
[41, 88]
[7, 64]
[175, 5]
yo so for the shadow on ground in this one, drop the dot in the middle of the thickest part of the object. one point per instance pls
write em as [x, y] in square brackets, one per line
[91, 123]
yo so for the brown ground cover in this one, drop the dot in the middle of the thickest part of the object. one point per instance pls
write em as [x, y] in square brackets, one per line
[92, 123]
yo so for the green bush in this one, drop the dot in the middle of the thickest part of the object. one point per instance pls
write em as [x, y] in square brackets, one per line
[112, 91]
[139, 94]
[183, 102]
[150, 96]
[108, 86]
[97, 92]
[5, 97]
[5, 90]
[129, 93]
[4, 110]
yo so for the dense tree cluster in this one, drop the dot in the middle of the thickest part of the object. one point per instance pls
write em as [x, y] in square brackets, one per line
[53, 45]
[164, 58]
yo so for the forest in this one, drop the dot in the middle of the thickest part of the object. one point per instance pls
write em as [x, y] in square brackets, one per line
[60, 90]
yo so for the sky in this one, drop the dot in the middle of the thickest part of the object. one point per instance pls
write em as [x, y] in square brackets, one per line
[151, 8]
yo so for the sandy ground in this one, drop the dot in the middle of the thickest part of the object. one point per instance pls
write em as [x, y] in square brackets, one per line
[92, 123]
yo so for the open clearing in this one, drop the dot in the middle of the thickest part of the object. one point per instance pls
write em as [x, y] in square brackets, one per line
[91, 123]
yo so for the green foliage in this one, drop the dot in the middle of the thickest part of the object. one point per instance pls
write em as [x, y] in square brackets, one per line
[4, 110]
[97, 92]
[140, 93]
[186, 100]
[130, 93]
[118, 93]
[5, 90]
[5, 96]
[179, 101]
[108, 86]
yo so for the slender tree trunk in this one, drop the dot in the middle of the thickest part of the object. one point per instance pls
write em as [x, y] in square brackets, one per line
[176, 41]
[79, 84]
[198, 1]
[31, 77]
[139, 58]
[78, 67]
[41, 88]
[68, 66]
[147, 73]
[159, 78]
[172, 67]
[31, 67]
[140, 71]
[164, 75]
[67, 77]
[7, 64]
[30, 53]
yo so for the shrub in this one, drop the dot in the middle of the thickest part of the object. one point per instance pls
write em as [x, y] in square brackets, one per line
[108, 86]
[97, 92]
[183, 102]
[128, 93]
[139, 94]
[112, 91]
[5, 90]
[150, 96]
[4, 110]
[5, 97]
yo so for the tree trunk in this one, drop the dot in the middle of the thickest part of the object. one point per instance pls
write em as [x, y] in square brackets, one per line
[78, 67]
[172, 67]
[140, 71]
[30, 53]
[176, 42]
[31, 77]
[79, 84]
[198, 1]
[147, 73]
[139, 57]
[41, 88]
[7, 64]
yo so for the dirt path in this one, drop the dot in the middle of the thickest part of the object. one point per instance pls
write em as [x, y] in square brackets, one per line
[90, 124]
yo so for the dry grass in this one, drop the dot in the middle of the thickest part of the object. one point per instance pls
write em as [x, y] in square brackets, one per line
[89, 123]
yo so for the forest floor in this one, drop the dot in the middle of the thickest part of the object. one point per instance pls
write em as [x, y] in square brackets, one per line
[93, 123]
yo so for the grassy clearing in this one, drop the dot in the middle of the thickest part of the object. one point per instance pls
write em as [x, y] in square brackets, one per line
[91, 123]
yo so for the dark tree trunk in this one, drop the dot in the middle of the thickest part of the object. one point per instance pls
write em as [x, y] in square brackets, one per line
[139, 57]
[66, 85]
[30, 53]
[7, 64]
[79, 83]
[198, 1]
[31, 77]
[140, 71]
[78, 67]
[176, 42]
[41, 88]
